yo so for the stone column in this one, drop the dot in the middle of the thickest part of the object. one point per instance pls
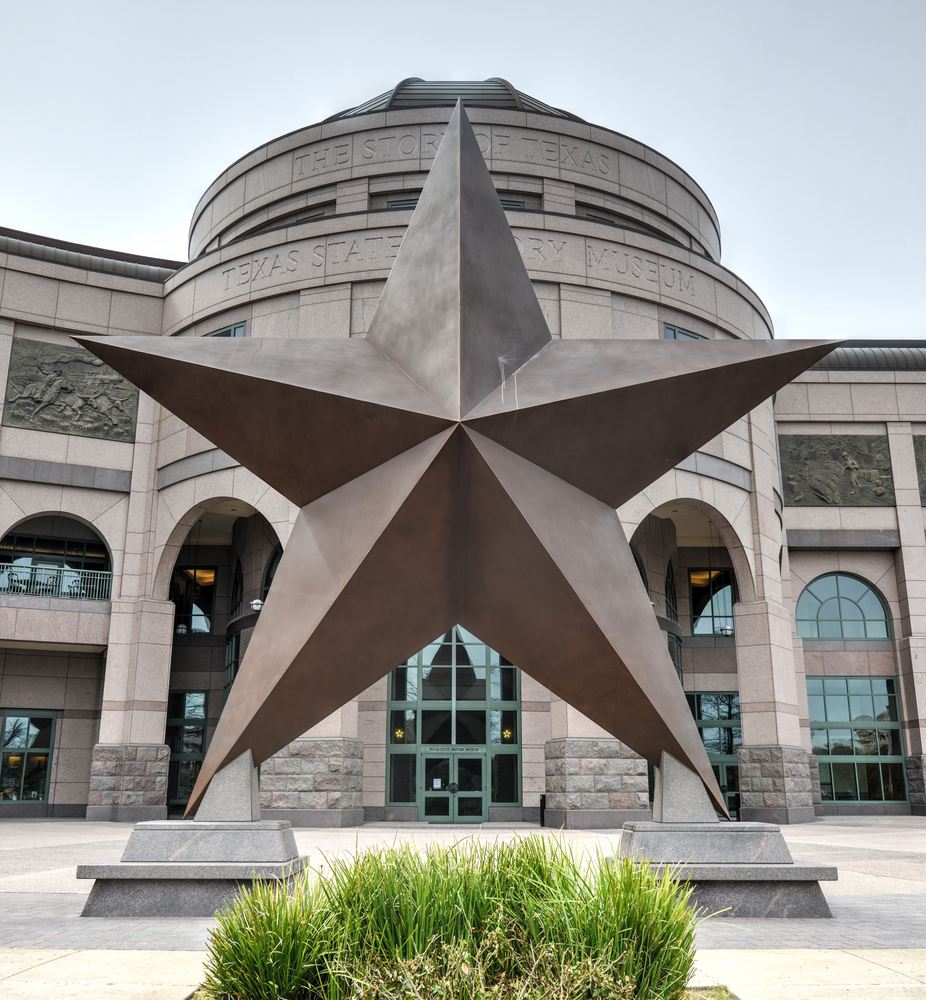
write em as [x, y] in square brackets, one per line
[774, 766]
[128, 778]
[910, 564]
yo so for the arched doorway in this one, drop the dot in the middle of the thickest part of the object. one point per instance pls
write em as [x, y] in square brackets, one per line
[454, 736]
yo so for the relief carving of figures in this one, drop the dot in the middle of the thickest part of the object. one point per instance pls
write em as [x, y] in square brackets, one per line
[839, 470]
[67, 390]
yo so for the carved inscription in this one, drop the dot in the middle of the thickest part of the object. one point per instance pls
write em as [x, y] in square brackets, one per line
[392, 146]
[839, 470]
[634, 265]
[339, 255]
[67, 390]
[919, 452]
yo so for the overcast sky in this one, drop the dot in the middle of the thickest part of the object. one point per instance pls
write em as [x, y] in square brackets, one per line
[803, 121]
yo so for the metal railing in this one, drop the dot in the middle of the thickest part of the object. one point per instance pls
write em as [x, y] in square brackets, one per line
[57, 581]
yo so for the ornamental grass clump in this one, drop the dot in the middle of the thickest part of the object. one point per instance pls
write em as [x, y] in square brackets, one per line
[525, 919]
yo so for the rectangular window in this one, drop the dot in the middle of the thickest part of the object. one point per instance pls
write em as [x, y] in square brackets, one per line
[192, 589]
[677, 333]
[713, 594]
[186, 737]
[235, 330]
[27, 739]
[855, 734]
[717, 716]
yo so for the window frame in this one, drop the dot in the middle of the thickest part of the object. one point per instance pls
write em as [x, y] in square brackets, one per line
[232, 330]
[414, 707]
[672, 332]
[734, 600]
[30, 713]
[270, 569]
[822, 688]
[838, 575]
[179, 756]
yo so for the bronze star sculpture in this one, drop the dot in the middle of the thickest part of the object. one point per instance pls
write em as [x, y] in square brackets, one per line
[457, 465]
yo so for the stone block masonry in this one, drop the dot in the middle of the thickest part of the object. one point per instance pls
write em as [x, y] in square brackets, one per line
[916, 784]
[775, 785]
[594, 784]
[314, 783]
[128, 782]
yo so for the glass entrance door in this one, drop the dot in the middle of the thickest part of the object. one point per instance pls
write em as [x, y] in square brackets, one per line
[454, 787]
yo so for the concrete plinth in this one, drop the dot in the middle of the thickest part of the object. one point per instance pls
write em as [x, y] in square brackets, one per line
[756, 890]
[734, 869]
[713, 843]
[175, 890]
[266, 841]
[193, 868]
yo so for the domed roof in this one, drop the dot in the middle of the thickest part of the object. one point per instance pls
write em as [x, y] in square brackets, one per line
[417, 93]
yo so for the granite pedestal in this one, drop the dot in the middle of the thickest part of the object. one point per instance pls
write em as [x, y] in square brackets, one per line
[734, 869]
[193, 868]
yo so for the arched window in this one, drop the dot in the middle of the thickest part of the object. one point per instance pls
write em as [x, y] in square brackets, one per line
[237, 594]
[55, 556]
[671, 593]
[640, 567]
[838, 606]
[270, 571]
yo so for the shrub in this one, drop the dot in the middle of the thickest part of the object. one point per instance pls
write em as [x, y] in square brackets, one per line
[525, 919]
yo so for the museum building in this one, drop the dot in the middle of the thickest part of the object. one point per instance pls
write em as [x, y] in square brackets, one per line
[785, 560]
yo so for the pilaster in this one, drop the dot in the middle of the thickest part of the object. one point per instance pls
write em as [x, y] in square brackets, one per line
[910, 567]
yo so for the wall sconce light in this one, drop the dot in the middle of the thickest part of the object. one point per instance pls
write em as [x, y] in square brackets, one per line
[726, 630]
[181, 629]
[256, 605]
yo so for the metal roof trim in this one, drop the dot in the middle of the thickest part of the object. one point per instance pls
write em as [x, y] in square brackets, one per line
[885, 355]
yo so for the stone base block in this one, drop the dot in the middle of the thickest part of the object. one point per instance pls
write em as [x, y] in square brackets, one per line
[312, 777]
[400, 814]
[775, 890]
[593, 819]
[318, 818]
[706, 843]
[776, 785]
[125, 814]
[128, 782]
[867, 809]
[777, 815]
[594, 784]
[193, 841]
[174, 889]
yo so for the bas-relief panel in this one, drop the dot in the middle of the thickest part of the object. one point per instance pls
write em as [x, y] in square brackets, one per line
[919, 452]
[66, 390]
[839, 470]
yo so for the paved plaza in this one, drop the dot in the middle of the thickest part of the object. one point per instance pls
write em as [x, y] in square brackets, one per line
[874, 948]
